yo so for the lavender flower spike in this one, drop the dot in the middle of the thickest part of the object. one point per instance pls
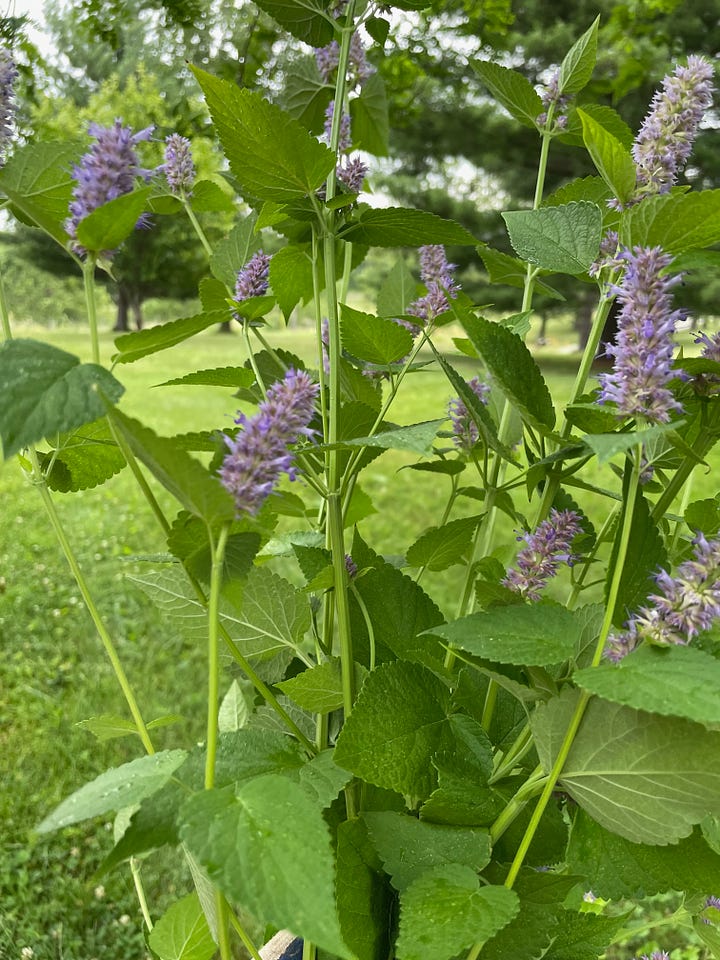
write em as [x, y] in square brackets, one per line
[178, 168]
[643, 352]
[665, 139]
[8, 76]
[252, 280]
[437, 275]
[108, 170]
[260, 454]
[465, 432]
[546, 549]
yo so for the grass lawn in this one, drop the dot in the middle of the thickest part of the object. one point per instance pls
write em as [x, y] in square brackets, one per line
[53, 673]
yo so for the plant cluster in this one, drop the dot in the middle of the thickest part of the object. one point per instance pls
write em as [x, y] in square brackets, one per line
[375, 778]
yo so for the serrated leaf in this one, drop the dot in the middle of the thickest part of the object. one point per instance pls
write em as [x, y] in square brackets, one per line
[397, 291]
[579, 62]
[209, 197]
[408, 846]
[378, 28]
[308, 20]
[184, 477]
[674, 682]
[615, 868]
[319, 688]
[232, 253]
[111, 727]
[612, 159]
[284, 877]
[593, 189]
[363, 897]
[234, 377]
[403, 227]
[395, 728]
[307, 95]
[564, 239]
[440, 547]
[608, 445]
[513, 369]
[291, 277]
[116, 788]
[538, 634]
[446, 911]
[108, 225]
[582, 936]
[235, 707]
[322, 779]
[83, 459]
[47, 391]
[502, 268]
[645, 777]
[415, 438]
[677, 222]
[182, 933]
[142, 343]
[38, 180]
[369, 117]
[512, 90]
[271, 155]
[703, 515]
[373, 339]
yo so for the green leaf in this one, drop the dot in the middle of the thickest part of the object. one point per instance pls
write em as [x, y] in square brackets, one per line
[363, 898]
[607, 445]
[234, 251]
[612, 159]
[284, 877]
[108, 225]
[614, 868]
[581, 936]
[186, 478]
[209, 197]
[369, 117]
[47, 391]
[373, 339]
[83, 459]
[403, 227]
[408, 846]
[378, 28]
[321, 778]
[645, 555]
[143, 343]
[116, 788]
[291, 278]
[234, 377]
[271, 155]
[564, 239]
[235, 707]
[182, 933]
[111, 727]
[38, 180]
[579, 63]
[514, 370]
[307, 20]
[645, 777]
[593, 189]
[512, 90]
[440, 547]
[319, 688]
[395, 728]
[446, 911]
[397, 291]
[674, 682]
[676, 222]
[504, 269]
[703, 515]
[537, 634]
[307, 95]
[416, 438]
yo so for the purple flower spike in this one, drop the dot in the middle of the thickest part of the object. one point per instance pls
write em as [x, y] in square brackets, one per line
[260, 454]
[686, 605]
[643, 352]
[252, 280]
[546, 549]
[108, 170]
[437, 275]
[8, 76]
[327, 59]
[656, 955]
[465, 432]
[352, 174]
[178, 168]
[665, 139]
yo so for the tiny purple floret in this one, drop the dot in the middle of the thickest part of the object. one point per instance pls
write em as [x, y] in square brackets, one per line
[252, 280]
[465, 431]
[546, 549]
[178, 168]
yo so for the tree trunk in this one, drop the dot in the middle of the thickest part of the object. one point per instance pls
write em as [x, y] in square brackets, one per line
[137, 309]
[121, 320]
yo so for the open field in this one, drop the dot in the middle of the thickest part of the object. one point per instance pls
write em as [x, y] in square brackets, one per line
[53, 674]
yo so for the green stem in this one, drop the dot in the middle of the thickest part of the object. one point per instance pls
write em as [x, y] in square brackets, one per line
[223, 914]
[140, 891]
[517, 804]
[368, 625]
[89, 284]
[214, 655]
[588, 560]
[309, 951]
[517, 751]
[251, 358]
[90, 604]
[341, 601]
[196, 226]
[4, 312]
[246, 941]
[142, 483]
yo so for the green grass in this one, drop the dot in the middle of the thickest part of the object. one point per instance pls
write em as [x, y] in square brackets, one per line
[54, 674]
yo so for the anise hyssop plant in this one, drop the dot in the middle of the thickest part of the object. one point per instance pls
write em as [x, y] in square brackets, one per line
[378, 778]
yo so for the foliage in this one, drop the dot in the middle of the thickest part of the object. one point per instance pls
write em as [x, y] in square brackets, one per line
[378, 777]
